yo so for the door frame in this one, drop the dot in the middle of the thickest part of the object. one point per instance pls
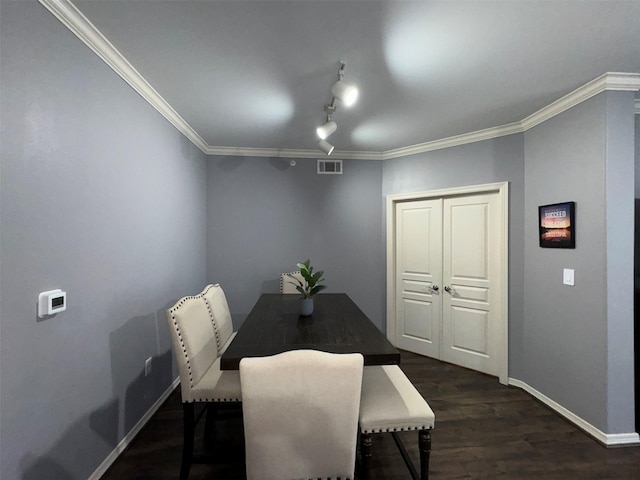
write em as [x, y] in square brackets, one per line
[502, 189]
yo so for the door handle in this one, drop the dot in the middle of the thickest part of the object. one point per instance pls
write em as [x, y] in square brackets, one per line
[447, 289]
[435, 288]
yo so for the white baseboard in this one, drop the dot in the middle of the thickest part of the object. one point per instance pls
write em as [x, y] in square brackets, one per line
[610, 440]
[124, 443]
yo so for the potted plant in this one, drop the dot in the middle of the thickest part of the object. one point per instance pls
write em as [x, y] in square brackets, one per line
[308, 286]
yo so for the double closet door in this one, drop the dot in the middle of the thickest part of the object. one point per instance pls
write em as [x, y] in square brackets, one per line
[448, 268]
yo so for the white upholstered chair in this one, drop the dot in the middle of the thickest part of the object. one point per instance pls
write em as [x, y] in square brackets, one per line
[391, 403]
[220, 315]
[201, 380]
[285, 282]
[300, 411]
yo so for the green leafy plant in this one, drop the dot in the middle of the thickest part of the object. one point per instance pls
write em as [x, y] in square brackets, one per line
[311, 284]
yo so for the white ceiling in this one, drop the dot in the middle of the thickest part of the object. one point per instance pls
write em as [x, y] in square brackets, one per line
[257, 74]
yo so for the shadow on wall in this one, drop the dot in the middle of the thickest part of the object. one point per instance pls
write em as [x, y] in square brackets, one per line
[229, 164]
[130, 346]
[87, 443]
[45, 468]
[71, 458]
[282, 164]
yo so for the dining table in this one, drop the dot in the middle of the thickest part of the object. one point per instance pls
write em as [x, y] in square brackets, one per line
[336, 325]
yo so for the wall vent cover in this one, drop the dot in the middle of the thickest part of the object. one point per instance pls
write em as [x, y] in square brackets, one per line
[329, 167]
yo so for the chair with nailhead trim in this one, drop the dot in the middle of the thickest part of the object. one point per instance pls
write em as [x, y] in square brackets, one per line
[286, 279]
[220, 316]
[300, 412]
[390, 403]
[201, 381]
[223, 327]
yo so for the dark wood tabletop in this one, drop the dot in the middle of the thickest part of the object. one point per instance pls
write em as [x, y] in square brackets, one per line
[336, 326]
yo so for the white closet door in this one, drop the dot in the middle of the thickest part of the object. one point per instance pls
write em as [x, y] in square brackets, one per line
[418, 276]
[471, 328]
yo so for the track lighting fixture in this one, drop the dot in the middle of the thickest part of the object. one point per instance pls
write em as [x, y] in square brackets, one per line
[326, 147]
[347, 94]
[327, 129]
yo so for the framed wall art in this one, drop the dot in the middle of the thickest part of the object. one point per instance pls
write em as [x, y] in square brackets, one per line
[557, 225]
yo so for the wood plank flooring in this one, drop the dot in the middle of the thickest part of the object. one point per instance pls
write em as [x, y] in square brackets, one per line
[484, 430]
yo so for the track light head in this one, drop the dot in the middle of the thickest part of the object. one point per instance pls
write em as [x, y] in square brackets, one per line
[347, 94]
[326, 147]
[327, 129]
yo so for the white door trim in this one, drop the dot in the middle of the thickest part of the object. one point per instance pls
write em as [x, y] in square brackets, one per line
[502, 188]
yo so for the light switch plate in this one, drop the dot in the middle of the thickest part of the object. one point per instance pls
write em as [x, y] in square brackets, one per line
[567, 276]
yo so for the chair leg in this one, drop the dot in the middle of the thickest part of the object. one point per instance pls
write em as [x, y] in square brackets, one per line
[424, 445]
[210, 422]
[189, 431]
[365, 455]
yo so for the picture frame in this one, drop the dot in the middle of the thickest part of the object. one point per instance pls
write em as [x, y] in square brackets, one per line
[557, 225]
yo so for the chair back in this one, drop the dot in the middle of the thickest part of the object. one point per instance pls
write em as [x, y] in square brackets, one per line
[285, 282]
[220, 314]
[193, 339]
[300, 412]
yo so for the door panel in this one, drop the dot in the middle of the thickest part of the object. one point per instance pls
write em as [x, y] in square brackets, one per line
[469, 328]
[470, 324]
[471, 294]
[467, 240]
[418, 274]
[418, 318]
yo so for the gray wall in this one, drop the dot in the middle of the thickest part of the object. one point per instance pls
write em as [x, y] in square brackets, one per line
[578, 340]
[102, 197]
[637, 156]
[263, 216]
[619, 184]
[497, 160]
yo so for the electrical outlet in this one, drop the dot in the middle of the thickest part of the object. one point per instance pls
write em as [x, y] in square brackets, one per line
[147, 366]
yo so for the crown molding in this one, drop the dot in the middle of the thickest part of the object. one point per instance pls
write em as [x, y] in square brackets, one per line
[259, 152]
[477, 136]
[74, 20]
[290, 153]
[355, 155]
[629, 82]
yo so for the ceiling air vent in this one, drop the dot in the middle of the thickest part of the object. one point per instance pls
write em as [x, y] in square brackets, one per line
[329, 167]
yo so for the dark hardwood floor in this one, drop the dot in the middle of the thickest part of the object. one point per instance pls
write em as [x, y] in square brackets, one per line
[483, 430]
